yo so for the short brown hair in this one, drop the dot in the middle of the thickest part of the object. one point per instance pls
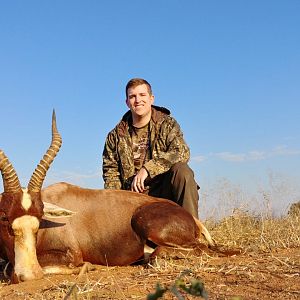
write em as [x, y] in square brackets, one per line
[132, 83]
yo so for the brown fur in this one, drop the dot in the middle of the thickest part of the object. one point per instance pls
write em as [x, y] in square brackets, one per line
[100, 232]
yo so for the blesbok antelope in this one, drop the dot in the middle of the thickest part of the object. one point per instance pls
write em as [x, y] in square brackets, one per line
[107, 227]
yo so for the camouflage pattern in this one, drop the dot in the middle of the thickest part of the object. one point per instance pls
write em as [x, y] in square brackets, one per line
[167, 147]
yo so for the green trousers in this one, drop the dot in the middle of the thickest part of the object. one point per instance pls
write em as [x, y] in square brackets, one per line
[177, 184]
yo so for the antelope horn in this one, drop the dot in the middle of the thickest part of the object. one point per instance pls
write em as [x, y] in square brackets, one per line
[39, 174]
[10, 178]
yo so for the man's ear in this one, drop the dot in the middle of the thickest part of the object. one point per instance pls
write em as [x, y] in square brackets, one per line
[127, 102]
[152, 99]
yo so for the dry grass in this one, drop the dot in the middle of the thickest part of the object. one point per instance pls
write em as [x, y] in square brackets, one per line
[256, 233]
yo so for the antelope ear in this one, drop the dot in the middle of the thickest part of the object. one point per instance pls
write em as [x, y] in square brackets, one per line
[54, 211]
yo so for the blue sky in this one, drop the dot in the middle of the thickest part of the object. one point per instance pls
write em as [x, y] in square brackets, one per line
[229, 71]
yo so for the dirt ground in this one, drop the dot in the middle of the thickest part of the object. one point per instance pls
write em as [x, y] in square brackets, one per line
[273, 275]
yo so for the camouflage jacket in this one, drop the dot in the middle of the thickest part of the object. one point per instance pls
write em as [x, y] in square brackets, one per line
[167, 147]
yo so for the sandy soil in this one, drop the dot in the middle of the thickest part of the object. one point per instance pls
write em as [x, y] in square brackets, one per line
[273, 275]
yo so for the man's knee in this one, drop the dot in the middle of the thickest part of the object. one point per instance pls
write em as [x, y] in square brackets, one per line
[182, 171]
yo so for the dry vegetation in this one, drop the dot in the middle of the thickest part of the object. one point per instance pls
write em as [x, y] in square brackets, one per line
[267, 268]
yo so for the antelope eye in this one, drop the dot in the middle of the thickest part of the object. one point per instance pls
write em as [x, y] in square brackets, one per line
[3, 218]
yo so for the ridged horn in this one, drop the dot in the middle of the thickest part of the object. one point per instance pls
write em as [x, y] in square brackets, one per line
[10, 178]
[39, 174]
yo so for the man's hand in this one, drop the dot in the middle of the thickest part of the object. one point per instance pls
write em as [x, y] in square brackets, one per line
[137, 184]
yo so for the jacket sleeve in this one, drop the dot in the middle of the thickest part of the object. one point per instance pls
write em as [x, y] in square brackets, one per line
[170, 149]
[111, 172]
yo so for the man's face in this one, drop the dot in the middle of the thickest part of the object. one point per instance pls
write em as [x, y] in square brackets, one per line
[139, 100]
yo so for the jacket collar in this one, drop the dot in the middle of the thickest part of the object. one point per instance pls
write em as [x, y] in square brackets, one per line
[158, 115]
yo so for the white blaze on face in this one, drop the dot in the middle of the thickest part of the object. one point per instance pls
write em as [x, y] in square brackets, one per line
[26, 264]
[26, 200]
